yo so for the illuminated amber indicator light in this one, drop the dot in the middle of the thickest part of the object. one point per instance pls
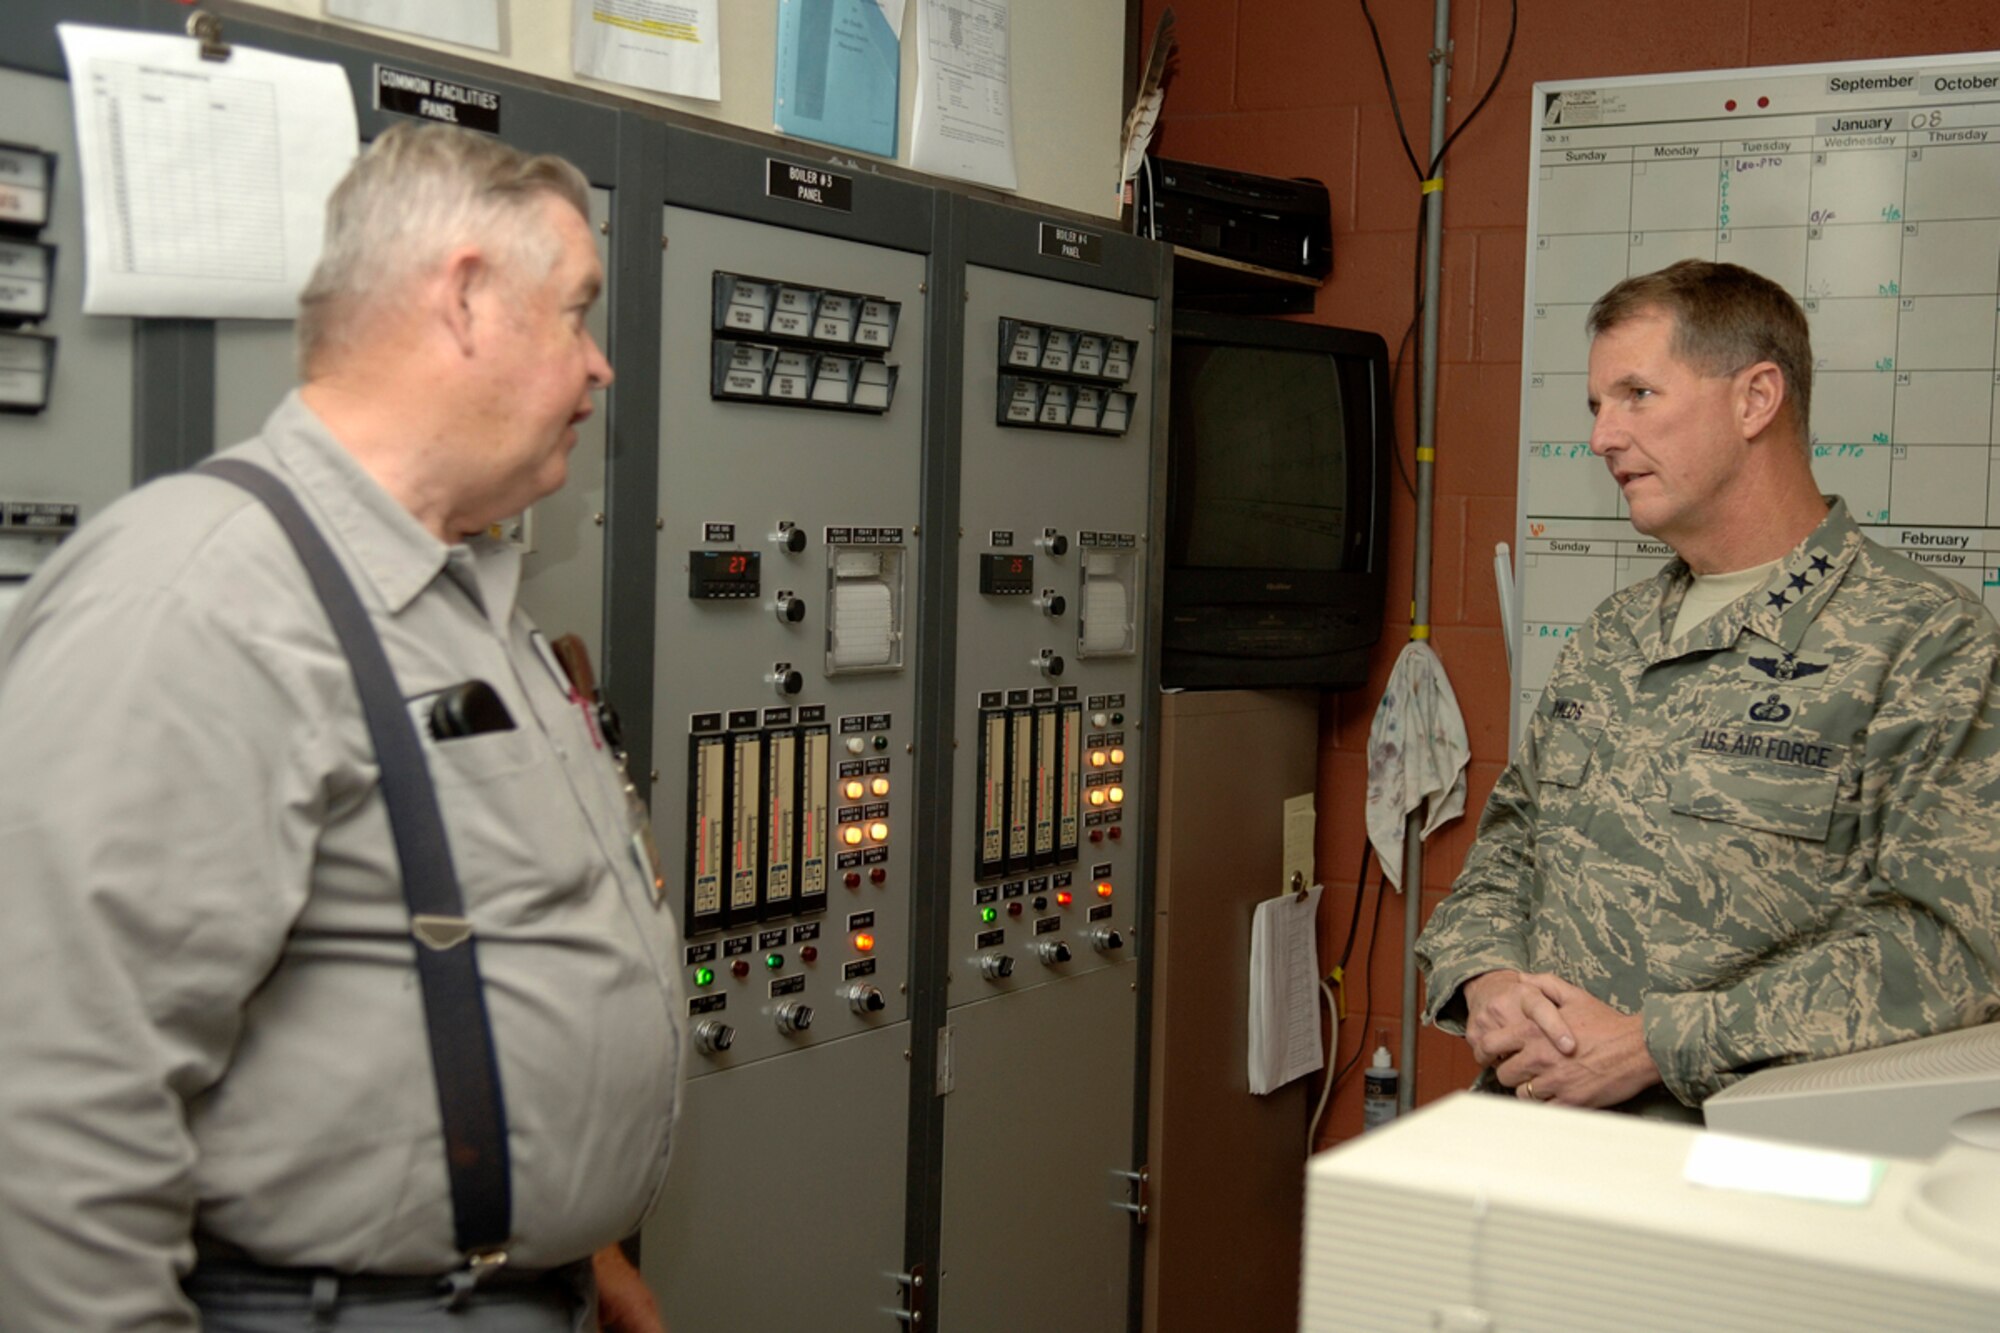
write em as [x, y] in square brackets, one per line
[853, 790]
[880, 786]
[1104, 890]
[1097, 796]
[1117, 756]
[1117, 795]
[879, 831]
[704, 976]
[1062, 898]
[989, 915]
[1097, 758]
[851, 834]
[864, 943]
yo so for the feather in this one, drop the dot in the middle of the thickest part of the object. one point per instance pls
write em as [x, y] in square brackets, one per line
[1145, 113]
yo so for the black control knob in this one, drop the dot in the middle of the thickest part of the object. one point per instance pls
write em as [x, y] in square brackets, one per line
[1052, 951]
[1050, 666]
[1054, 543]
[793, 539]
[1053, 604]
[996, 966]
[712, 1037]
[791, 610]
[866, 999]
[788, 680]
[1104, 939]
[794, 1016]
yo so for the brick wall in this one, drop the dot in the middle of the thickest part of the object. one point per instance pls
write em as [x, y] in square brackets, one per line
[1292, 88]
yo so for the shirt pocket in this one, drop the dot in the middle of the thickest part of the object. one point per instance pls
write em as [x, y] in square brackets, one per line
[1788, 800]
[1564, 757]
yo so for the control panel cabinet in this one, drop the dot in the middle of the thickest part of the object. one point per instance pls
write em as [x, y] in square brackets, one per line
[1057, 461]
[66, 380]
[784, 733]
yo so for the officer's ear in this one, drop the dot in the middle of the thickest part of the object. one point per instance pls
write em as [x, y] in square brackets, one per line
[459, 278]
[1761, 393]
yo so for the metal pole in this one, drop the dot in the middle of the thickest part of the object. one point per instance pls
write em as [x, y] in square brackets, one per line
[1420, 610]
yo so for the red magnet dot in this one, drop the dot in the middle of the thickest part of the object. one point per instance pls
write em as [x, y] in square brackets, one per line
[1730, 105]
[1763, 101]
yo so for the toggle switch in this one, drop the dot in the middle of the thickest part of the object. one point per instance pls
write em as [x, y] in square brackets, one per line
[713, 1038]
[794, 1017]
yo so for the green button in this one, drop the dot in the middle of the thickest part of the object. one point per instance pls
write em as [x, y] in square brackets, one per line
[881, 742]
[774, 961]
[704, 976]
[988, 915]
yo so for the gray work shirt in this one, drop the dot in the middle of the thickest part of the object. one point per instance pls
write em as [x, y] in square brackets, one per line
[1773, 837]
[209, 1014]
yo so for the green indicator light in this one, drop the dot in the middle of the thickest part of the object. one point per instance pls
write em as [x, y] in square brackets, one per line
[704, 976]
[774, 961]
[988, 914]
[1117, 719]
[881, 742]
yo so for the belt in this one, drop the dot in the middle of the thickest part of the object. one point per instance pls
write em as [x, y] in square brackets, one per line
[230, 1275]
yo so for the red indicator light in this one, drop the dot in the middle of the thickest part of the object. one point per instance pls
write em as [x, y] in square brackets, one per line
[739, 969]
[864, 943]
[877, 875]
[808, 954]
[852, 879]
[1014, 908]
[1062, 898]
[1104, 890]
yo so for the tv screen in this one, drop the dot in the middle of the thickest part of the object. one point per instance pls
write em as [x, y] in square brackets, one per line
[1264, 481]
[1277, 506]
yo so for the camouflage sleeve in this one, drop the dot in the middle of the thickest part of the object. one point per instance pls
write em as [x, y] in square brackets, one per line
[1915, 951]
[1483, 925]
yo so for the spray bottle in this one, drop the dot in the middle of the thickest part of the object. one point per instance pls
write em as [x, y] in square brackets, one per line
[1379, 1088]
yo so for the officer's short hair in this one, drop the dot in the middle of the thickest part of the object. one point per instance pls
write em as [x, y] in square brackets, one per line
[1725, 318]
[417, 192]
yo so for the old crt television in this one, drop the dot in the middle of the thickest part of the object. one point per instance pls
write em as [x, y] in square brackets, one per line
[1277, 504]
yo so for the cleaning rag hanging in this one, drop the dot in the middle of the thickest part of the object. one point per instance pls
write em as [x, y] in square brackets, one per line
[1417, 752]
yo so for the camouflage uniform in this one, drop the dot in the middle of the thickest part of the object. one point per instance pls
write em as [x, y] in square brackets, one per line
[1777, 839]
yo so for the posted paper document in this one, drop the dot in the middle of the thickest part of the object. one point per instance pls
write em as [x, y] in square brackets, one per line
[466, 22]
[964, 120]
[669, 46]
[839, 67]
[1284, 990]
[204, 182]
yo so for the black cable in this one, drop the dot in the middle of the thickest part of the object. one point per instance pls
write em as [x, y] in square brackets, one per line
[1367, 981]
[1395, 109]
[1422, 234]
[1360, 891]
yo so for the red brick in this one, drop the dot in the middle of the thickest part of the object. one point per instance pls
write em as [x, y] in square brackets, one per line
[1784, 32]
[1502, 297]
[1202, 75]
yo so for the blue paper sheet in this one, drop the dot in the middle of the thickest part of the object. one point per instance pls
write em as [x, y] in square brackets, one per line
[839, 63]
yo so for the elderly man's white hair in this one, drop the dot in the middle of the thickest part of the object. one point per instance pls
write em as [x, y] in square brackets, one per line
[417, 192]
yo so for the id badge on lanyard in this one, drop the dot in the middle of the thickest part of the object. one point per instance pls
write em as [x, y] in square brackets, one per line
[569, 661]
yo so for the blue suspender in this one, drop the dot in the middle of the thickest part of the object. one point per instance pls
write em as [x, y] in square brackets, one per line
[470, 1101]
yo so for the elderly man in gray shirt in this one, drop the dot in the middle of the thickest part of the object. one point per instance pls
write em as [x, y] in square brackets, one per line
[216, 1088]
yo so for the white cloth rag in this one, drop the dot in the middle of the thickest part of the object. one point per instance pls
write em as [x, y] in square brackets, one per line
[1417, 752]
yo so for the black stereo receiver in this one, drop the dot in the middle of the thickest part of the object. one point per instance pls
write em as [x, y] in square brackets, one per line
[1263, 220]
